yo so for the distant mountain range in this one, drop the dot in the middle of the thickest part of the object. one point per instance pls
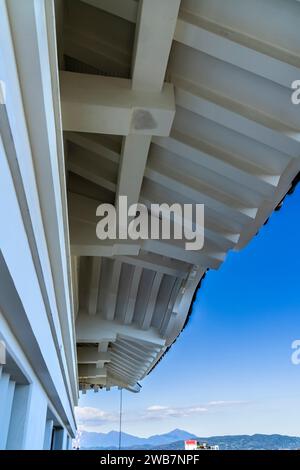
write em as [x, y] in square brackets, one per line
[174, 440]
[111, 439]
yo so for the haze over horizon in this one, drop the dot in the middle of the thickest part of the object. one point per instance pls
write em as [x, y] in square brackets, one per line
[230, 371]
[116, 431]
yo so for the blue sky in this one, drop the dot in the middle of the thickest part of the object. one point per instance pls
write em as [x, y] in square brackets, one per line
[230, 371]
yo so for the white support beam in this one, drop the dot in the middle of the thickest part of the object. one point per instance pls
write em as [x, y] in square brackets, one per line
[93, 328]
[7, 400]
[245, 122]
[91, 371]
[101, 381]
[126, 363]
[152, 50]
[173, 250]
[103, 346]
[205, 136]
[84, 241]
[191, 149]
[153, 193]
[151, 54]
[132, 166]
[174, 181]
[135, 371]
[4, 387]
[254, 156]
[175, 323]
[157, 263]
[236, 48]
[48, 434]
[123, 374]
[127, 356]
[107, 105]
[95, 52]
[187, 186]
[114, 380]
[227, 43]
[88, 355]
[146, 321]
[138, 347]
[132, 295]
[135, 358]
[94, 285]
[126, 375]
[112, 294]
[261, 100]
[169, 312]
[207, 179]
[126, 9]
[88, 166]
[83, 209]
[268, 207]
[87, 244]
[238, 21]
[98, 144]
[75, 267]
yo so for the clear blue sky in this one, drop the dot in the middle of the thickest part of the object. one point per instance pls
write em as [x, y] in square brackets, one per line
[230, 371]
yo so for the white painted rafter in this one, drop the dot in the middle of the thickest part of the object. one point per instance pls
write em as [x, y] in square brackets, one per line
[87, 355]
[94, 285]
[151, 54]
[93, 328]
[91, 370]
[132, 295]
[107, 105]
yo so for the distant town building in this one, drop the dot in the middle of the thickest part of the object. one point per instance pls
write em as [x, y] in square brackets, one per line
[193, 444]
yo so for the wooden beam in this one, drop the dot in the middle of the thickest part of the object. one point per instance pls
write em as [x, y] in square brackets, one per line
[241, 50]
[83, 209]
[225, 112]
[146, 320]
[187, 186]
[158, 263]
[151, 54]
[87, 355]
[91, 371]
[126, 9]
[107, 105]
[93, 328]
[132, 167]
[84, 242]
[207, 155]
[94, 285]
[132, 295]
[112, 294]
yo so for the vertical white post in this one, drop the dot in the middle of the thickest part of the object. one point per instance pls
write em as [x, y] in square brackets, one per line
[59, 442]
[18, 420]
[4, 383]
[37, 412]
[7, 414]
[48, 434]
